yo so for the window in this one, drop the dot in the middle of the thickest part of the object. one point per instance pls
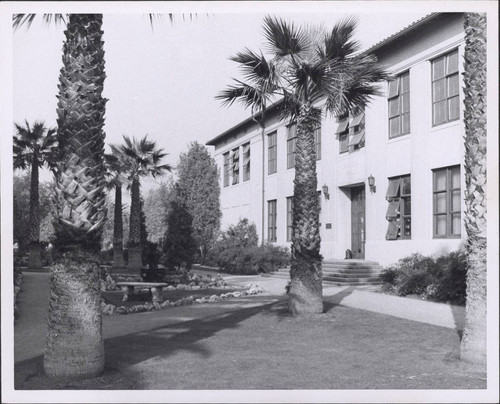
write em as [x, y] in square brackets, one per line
[271, 221]
[289, 218]
[399, 210]
[291, 138]
[246, 162]
[399, 106]
[445, 88]
[447, 202]
[226, 169]
[272, 153]
[235, 165]
[317, 142]
[351, 131]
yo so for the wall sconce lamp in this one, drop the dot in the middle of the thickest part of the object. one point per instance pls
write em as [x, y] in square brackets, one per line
[371, 183]
[325, 191]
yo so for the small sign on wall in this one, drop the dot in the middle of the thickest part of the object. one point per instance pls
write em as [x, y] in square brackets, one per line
[328, 225]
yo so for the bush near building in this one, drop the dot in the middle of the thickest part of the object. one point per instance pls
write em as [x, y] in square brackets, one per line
[237, 252]
[440, 279]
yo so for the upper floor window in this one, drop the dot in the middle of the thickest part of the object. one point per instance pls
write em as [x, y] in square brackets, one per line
[226, 169]
[235, 160]
[291, 138]
[399, 210]
[272, 153]
[447, 202]
[399, 106]
[445, 89]
[351, 131]
[246, 162]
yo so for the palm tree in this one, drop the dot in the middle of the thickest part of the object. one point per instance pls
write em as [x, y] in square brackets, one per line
[74, 347]
[315, 73]
[34, 147]
[116, 164]
[144, 160]
[473, 345]
[256, 93]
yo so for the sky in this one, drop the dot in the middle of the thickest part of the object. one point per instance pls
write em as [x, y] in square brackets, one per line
[162, 80]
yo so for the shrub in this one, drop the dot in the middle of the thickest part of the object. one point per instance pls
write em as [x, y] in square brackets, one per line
[441, 279]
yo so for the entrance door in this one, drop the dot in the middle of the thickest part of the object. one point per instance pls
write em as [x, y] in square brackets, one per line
[358, 222]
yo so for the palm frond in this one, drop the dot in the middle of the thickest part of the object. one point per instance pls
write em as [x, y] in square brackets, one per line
[284, 38]
[19, 20]
[339, 43]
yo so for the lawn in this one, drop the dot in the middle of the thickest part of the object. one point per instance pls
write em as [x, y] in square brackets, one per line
[252, 343]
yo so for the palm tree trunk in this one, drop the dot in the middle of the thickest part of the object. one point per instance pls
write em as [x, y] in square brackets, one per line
[118, 261]
[74, 347]
[35, 256]
[473, 346]
[305, 294]
[134, 249]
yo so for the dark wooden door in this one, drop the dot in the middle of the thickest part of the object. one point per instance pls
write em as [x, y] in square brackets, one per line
[358, 222]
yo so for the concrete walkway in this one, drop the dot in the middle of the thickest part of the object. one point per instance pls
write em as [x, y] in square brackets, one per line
[30, 328]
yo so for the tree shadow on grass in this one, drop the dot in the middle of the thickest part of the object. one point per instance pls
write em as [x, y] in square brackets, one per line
[131, 349]
[335, 300]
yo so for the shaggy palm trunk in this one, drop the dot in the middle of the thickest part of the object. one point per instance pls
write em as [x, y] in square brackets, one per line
[35, 256]
[134, 249]
[473, 346]
[74, 347]
[305, 294]
[118, 261]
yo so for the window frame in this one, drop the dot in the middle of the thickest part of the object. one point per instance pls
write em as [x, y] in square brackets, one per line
[289, 218]
[235, 161]
[272, 153]
[246, 166]
[225, 173]
[291, 145]
[446, 78]
[449, 214]
[397, 199]
[317, 142]
[272, 215]
[398, 98]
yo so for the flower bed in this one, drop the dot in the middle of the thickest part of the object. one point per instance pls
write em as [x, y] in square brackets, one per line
[111, 309]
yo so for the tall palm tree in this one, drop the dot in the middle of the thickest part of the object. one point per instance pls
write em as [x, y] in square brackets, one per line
[315, 72]
[116, 164]
[34, 147]
[473, 345]
[259, 89]
[74, 347]
[144, 160]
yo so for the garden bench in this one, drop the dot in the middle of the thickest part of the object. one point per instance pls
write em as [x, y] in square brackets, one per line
[128, 289]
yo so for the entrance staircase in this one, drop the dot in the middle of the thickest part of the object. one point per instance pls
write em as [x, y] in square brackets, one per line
[344, 272]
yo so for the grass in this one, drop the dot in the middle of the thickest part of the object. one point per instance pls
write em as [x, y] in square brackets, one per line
[253, 343]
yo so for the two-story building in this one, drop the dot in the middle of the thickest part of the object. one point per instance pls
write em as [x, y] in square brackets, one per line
[390, 178]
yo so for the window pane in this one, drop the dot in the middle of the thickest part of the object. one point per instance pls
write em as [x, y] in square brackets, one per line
[405, 102]
[407, 206]
[455, 177]
[405, 83]
[394, 127]
[406, 186]
[455, 201]
[393, 107]
[439, 112]
[392, 230]
[439, 180]
[454, 108]
[438, 68]
[440, 225]
[439, 90]
[456, 224]
[393, 189]
[406, 123]
[393, 88]
[392, 209]
[452, 62]
[453, 85]
[440, 202]
[407, 227]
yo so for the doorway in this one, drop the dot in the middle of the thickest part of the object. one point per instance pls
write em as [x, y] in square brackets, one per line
[358, 222]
